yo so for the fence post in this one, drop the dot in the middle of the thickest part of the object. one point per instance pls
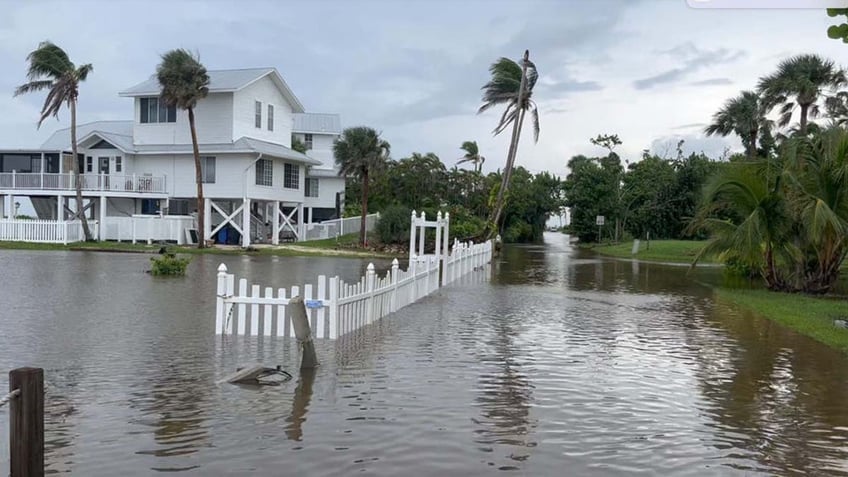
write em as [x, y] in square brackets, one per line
[26, 423]
[411, 239]
[426, 275]
[334, 307]
[438, 250]
[413, 266]
[369, 288]
[219, 302]
[395, 269]
[302, 331]
[445, 251]
[422, 233]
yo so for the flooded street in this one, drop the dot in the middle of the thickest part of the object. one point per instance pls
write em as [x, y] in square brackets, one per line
[560, 363]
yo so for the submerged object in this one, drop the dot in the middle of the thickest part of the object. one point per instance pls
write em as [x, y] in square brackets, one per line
[258, 375]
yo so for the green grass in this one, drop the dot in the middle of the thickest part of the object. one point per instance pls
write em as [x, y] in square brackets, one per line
[349, 241]
[678, 251]
[809, 316]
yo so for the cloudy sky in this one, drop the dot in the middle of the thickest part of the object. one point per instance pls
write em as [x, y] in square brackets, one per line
[651, 71]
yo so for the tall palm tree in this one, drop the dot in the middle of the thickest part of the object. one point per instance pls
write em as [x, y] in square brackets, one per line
[744, 116]
[800, 81]
[472, 155]
[511, 84]
[51, 69]
[360, 152]
[184, 82]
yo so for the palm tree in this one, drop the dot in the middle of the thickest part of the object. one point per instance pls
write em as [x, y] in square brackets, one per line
[360, 152]
[744, 116]
[184, 82]
[511, 84]
[472, 155]
[51, 69]
[800, 81]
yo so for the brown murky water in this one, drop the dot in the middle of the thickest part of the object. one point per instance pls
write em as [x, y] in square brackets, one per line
[560, 364]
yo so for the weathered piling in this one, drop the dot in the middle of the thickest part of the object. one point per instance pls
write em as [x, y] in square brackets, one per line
[302, 331]
[26, 422]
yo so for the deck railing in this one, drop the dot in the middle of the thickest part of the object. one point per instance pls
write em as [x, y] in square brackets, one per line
[338, 227]
[90, 182]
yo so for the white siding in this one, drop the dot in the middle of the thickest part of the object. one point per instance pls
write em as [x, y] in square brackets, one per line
[244, 113]
[327, 188]
[322, 147]
[213, 117]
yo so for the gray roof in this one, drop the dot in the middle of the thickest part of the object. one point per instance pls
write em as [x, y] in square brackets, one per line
[242, 145]
[61, 139]
[223, 81]
[316, 172]
[320, 123]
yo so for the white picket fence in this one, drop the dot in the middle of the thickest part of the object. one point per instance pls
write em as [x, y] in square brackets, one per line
[148, 228]
[44, 231]
[336, 308]
[338, 227]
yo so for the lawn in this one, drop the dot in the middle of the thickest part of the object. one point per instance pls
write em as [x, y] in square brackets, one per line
[678, 251]
[810, 316]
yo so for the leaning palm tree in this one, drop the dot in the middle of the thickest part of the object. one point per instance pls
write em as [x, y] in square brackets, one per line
[51, 69]
[360, 152]
[472, 155]
[512, 85]
[184, 82]
[800, 81]
[744, 116]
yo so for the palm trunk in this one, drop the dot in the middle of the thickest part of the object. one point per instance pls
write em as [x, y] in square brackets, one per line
[77, 182]
[362, 235]
[752, 145]
[804, 108]
[198, 177]
[494, 223]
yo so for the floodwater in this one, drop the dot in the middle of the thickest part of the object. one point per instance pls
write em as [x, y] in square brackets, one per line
[559, 363]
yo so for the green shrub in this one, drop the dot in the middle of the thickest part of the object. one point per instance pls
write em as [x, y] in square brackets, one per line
[169, 264]
[394, 224]
[518, 231]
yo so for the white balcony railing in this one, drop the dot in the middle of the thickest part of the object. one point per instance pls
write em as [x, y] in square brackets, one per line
[90, 182]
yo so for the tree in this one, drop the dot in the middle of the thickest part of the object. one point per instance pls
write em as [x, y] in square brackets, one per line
[298, 145]
[510, 84]
[800, 81]
[184, 82]
[51, 69]
[472, 155]
[360, 152]
[838, 32]
[745, 116]
[606, 141]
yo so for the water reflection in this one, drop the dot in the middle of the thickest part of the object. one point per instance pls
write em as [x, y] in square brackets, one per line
[302, 396]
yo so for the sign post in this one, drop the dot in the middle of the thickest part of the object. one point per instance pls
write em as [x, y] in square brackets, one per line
[599, 221]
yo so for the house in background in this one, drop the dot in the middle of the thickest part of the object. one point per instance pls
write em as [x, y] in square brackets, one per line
[255, 185]
[324, 186]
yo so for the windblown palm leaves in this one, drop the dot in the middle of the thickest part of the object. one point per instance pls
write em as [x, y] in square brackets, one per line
[503, 89]
[745, 116]
[472, 155]
[51, 69]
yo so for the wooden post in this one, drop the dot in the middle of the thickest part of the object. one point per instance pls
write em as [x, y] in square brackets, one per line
[26, 423]
[302, 331]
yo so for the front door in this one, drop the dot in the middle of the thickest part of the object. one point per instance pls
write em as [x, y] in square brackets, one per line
[104, 170]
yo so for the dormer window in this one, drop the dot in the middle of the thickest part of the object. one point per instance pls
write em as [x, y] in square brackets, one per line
[258, 115]
[153, 110]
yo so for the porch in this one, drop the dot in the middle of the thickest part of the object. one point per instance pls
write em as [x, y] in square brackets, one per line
[33, 182]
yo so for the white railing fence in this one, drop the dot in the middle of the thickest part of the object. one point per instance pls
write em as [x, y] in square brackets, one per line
[44, 231]
[338, 227]
[148, 228]
[336, 308]
[90, 182]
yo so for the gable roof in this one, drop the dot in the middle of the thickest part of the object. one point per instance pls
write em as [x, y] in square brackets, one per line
[242, 145]
[223, 81]
[61, 139]
[320, 123]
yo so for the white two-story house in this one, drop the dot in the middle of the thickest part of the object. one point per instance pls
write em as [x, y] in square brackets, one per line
[324, 186]
[255, 185]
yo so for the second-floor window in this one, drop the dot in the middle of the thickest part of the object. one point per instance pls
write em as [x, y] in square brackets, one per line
[89, 164]
[207, 169]
[258, 115]
[291, 176]
[119, 166]
[307, 141]
[153, 110]
[270, 120]
[264, 172]
[311, 187]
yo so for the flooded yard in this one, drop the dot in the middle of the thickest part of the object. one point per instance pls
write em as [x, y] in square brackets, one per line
[559, 363]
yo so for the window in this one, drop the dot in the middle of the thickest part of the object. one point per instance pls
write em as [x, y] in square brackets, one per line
[270, 117]
[118, 164]
[264, 172]
[291, 176]
[307, 140]
[311, 187]
[207, 169]
[258, 119]
[89, 164]
[153, 110]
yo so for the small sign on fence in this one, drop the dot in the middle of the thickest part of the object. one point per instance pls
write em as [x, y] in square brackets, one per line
[314, 303]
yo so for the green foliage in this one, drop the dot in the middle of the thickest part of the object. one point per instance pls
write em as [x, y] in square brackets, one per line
[745, 116]
[183, 79]
[606, 141]
[298, 145]
[168, 264]
[472, 155]
[503, 89]
[840, 31]
[394, 224]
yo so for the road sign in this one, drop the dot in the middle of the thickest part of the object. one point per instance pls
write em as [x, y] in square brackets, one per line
[599, 220]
